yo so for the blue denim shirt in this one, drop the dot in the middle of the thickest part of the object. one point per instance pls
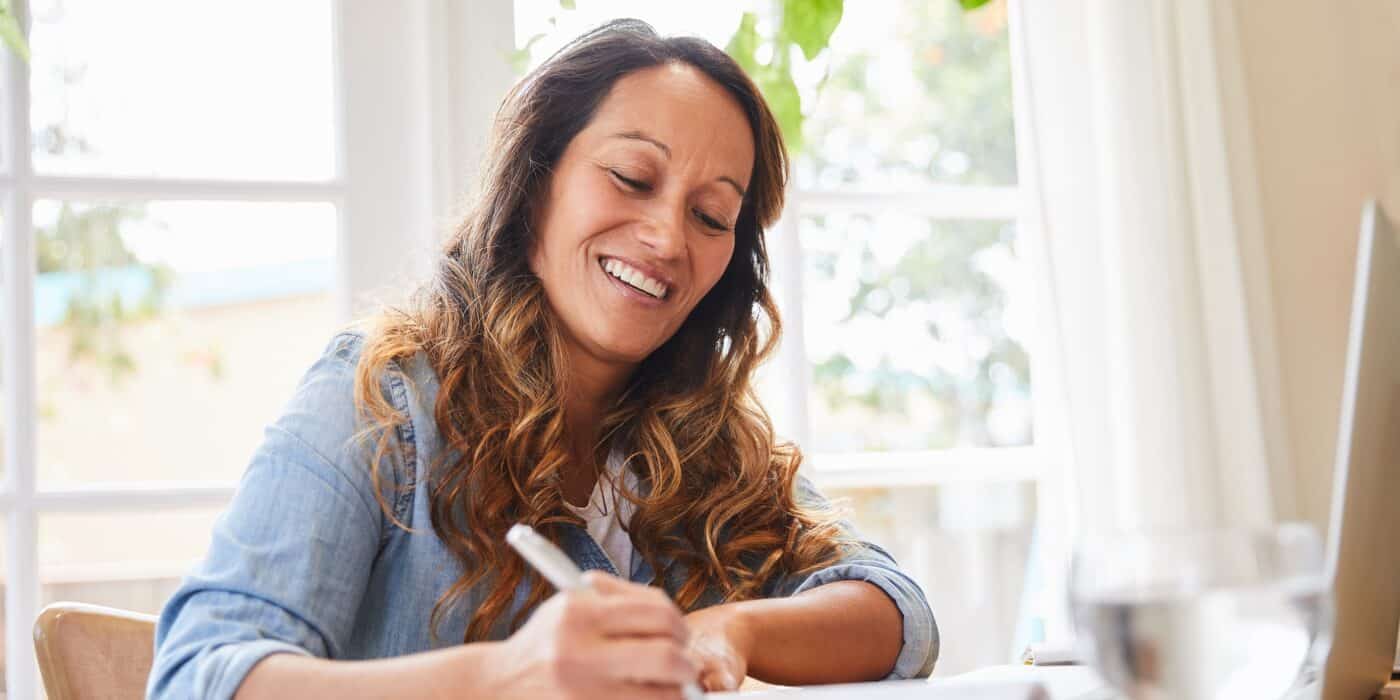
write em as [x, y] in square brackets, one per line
[305, 561]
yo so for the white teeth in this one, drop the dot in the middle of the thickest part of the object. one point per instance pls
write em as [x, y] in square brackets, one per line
[634, 277]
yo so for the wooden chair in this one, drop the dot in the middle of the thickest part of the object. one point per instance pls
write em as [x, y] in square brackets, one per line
[89, 651]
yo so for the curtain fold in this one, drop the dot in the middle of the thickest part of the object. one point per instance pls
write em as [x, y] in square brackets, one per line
[1155, 370]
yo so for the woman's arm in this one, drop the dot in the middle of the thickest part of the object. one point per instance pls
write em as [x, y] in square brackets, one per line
[615, 639]
[444, 673]
[844, 631]
[289, 560]
[829, 625]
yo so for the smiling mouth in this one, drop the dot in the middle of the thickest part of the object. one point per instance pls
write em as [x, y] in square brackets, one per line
[633, 278]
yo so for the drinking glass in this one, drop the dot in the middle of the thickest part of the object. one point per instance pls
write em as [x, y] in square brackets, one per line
[1205, 615]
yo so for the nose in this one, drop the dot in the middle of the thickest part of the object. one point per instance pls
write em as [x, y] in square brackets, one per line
[664, 233]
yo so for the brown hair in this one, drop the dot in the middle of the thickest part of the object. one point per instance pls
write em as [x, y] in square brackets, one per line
[719, 501]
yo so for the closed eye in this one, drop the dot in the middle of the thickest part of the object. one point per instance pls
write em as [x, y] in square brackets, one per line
[629, 183]
[709, 221]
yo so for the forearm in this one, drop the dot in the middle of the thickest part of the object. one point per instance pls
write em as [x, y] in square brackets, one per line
[841, 632]
[457, 672]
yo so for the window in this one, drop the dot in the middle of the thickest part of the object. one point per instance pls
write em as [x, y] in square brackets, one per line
[904, 373]
[177, 205]
[146, 309]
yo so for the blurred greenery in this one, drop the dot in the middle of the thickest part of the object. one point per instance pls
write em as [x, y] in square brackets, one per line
[946, 118]
[87, 241]
[930, 104]
[940, 297]
[803, 24]
[11, 34]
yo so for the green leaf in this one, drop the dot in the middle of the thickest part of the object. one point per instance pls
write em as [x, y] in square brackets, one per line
[809, 23]
[972, 4]
[781, 93]
[11, 34]
[743, 46]
[567, 4]
[520, 58]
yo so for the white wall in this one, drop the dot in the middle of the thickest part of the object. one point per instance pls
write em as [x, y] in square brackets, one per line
[1322, 86]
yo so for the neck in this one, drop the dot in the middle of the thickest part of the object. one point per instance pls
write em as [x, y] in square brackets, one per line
[592, 387]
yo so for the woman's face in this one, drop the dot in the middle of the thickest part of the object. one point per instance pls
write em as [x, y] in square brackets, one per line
[638, 221]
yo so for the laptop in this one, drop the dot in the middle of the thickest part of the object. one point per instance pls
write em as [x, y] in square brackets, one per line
[1363, 557]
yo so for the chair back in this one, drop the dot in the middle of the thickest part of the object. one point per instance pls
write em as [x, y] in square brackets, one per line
[89, 651]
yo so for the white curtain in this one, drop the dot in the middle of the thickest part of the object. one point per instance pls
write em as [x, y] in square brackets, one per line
[1157, 377]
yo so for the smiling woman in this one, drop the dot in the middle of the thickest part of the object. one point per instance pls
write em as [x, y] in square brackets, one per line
[582, 361]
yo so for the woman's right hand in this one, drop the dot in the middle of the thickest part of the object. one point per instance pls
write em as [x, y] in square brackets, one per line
[612, 639]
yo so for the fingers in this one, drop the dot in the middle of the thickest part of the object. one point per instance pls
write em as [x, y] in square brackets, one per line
[625, 609]
[634, 616]
[716, 672]
[607, 584]
[643, 661]
[713, 680]
[604, 583]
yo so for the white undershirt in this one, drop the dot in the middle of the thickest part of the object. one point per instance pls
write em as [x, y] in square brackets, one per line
[607, 512]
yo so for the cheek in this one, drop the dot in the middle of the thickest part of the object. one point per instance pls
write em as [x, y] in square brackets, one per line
[714, 260]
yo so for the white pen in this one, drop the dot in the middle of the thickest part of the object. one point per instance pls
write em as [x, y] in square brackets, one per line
[560, 570]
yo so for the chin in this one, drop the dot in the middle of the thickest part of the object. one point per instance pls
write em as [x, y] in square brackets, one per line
[628, 350]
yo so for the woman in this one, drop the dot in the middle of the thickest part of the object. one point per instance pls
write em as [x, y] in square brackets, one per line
[580, 361]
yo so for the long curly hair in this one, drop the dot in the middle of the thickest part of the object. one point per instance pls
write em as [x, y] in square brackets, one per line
[716, 504]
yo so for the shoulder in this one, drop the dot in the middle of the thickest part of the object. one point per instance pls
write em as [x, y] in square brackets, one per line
[326, 423]
[326, 410]
[340, 361]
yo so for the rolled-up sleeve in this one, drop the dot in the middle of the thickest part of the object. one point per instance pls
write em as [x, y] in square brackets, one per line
[872, 564]
[290, 558]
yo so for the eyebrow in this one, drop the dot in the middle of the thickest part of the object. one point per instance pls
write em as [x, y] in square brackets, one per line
[639, 136]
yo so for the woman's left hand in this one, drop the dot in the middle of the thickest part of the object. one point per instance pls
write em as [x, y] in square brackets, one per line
[720, 645]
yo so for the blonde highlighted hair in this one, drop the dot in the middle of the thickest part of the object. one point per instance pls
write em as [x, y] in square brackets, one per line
[719, 499]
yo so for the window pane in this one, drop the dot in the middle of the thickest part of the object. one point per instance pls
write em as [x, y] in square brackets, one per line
[170, 333]
[132, 561]
[968, 547]
[918, 92]
[915, 330]
[183, 89]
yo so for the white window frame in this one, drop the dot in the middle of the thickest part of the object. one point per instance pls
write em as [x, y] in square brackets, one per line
[886, 468]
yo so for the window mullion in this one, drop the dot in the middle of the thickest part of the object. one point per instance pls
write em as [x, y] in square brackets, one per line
[20, 385]
[126, 188]
[790, 364]
[142, 496]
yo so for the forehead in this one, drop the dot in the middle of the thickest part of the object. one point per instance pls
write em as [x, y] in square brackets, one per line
[685, 109]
